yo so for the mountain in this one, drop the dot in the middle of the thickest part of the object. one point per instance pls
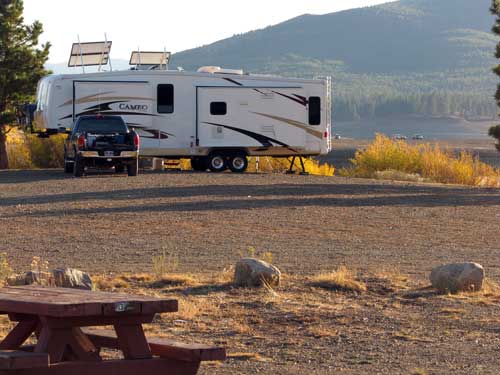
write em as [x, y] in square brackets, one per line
[404, 36]
[430, 57]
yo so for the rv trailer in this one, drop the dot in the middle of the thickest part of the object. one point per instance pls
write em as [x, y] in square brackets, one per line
[215, 117]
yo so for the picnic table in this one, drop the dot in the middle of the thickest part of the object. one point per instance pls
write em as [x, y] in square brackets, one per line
[60, 319]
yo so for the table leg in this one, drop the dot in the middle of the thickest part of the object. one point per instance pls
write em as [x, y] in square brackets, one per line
[21, 332]
[61, 342]
[132, 341]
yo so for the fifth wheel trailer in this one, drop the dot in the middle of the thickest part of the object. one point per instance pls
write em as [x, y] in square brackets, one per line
[214, 117]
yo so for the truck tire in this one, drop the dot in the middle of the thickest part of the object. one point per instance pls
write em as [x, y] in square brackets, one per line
[199, 164]
[79, 167]
[238, 163]
[217, 162]
[133, 168]
[68, 166]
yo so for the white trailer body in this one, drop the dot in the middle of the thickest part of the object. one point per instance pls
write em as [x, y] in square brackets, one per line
[181, 114]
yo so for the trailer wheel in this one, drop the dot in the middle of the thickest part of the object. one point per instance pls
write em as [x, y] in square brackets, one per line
[133, 168]
[199, 164]
[79, 167]
[217, 162]
[238, 163]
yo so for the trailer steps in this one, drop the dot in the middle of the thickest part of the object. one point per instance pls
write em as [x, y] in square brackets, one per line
[172, 165]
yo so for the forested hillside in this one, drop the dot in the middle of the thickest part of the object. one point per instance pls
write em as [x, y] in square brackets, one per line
[426, 57]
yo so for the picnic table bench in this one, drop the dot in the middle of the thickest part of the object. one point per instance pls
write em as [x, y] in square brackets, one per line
[60, 319]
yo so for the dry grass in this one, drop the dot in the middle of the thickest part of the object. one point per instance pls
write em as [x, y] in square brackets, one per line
[342, 279]
[451, 310]
[240, 356]
[174, 279]
[322, 331]
[387, 158]
[107, 283]
[5, 269]
[419, 371]
[224, 277]
[164, 264]
[394, 278]
[280, 165]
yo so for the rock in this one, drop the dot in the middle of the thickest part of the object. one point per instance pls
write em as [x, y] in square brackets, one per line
[252, 272]
[458, 277]
[72, 278]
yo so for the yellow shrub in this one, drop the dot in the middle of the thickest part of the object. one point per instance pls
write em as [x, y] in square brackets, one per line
[47, 152]
[430, 162]
[269, 164]
[18, 152]
[28, 151]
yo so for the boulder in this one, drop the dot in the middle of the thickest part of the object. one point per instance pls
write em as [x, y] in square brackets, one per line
[458, 277]
[72, 278]
[254, 272]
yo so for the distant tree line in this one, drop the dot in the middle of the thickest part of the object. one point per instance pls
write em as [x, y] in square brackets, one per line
[355, 107]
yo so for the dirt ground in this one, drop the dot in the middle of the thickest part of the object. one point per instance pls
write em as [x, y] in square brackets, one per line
[391, 234]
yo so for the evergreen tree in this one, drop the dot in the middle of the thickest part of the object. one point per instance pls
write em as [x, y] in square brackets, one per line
[21, 65]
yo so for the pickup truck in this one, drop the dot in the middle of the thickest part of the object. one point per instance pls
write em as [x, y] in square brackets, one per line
[99, 141]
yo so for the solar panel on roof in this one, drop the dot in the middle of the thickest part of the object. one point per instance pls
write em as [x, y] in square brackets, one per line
[149, 58]
[89, 54]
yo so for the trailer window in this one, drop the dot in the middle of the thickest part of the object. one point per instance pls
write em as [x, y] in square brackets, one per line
[165, 99]
[218, 108]
[314, 110]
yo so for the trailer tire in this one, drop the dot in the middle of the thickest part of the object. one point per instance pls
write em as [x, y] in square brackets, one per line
[238, 163]
[217, 162]
[133, 168]
[79, 167]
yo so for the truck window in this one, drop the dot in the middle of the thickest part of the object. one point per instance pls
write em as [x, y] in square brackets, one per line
[218, 108]
[165, 99]
[314, 110]
[102, 125]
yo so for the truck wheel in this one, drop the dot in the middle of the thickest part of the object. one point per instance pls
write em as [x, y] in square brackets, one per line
[238, 163]
[217, 163]
[68, 166]
[119, 168]
[133, 168]
[79, 167]
[199, 164]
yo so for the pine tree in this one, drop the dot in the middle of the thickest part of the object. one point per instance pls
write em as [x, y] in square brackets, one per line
[21, 65]
[495, 9]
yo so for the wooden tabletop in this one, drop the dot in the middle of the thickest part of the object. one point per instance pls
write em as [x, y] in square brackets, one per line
[62, 302]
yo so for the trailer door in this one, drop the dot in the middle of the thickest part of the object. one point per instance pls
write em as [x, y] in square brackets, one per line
[251, 117]
[131, 100]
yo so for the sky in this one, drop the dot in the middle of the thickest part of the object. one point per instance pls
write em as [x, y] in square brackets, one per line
[155, 24]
